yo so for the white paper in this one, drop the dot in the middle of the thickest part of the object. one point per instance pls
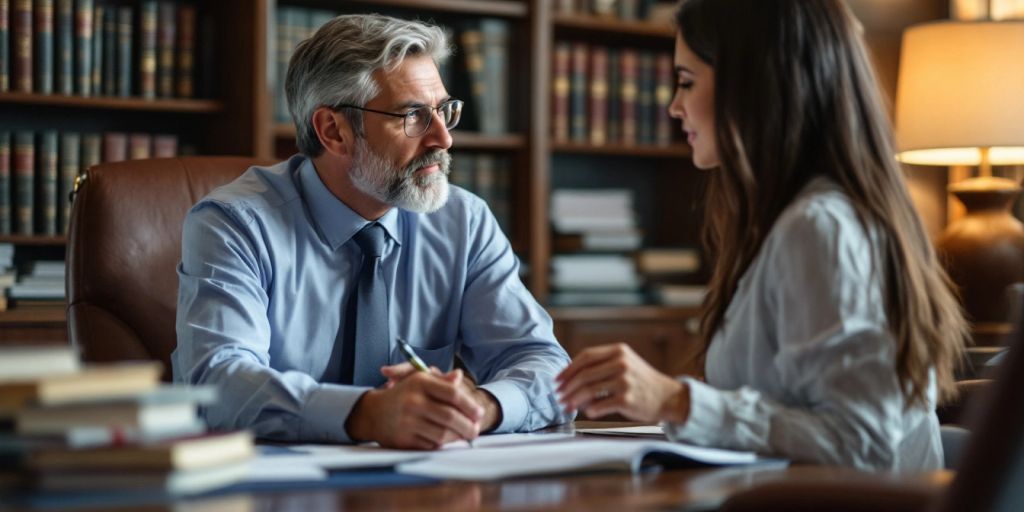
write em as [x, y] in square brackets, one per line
[637, 431]
[561, 457]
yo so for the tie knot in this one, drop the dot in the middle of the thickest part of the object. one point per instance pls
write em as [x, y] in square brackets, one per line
[371, 240]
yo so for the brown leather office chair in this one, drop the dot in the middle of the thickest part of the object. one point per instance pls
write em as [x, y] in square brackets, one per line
[124, 246]
[988, 478]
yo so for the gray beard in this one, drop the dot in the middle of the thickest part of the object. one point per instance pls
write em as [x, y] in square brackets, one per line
[375, 176]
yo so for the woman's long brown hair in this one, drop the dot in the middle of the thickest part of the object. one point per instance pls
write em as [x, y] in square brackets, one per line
[796, 98]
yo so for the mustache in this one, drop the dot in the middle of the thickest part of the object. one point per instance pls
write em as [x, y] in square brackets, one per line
[440, 157]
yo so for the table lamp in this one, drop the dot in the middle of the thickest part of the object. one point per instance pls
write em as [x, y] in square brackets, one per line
[960, 101]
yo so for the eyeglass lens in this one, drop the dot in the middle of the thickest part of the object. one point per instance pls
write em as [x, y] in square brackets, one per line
[418, 119]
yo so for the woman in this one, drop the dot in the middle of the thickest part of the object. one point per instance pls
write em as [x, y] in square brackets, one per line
[829, 328]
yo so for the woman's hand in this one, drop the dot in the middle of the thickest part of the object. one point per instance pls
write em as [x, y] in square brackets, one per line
[614, 379]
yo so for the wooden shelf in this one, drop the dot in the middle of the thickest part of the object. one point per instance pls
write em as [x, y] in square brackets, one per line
[185, 106]
[505, 8]
[462, 140]
[601, 313]
[34, 239]
[609, 25]
[34, 315]
[635, 150]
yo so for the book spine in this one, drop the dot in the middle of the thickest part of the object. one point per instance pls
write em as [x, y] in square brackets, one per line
[560, 92]
[96, 78]
[147, 48]
[598, 95]
[165, 146]
[139, 146]
[47, 190]
[662, 98]
[494, 46]
[578, 93]
[5, 49]
[83, 46]
[21, 45]
[91, 151]
[115, 147]
[70, 149]
[110, 51]
[64, 31]
[5, 183]
[645, 99]
[628, 96]
[471, 44]
[614, 96]
[167, 26]
[124, 52]
[186, 51]
[43, 50]
[24, 182]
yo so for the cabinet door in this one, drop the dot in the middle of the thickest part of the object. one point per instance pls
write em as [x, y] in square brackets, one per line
[671, 346]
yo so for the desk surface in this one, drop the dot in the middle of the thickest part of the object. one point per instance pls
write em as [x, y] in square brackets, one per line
[690, 489]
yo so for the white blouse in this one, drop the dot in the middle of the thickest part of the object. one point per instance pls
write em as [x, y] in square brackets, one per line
[803, 366]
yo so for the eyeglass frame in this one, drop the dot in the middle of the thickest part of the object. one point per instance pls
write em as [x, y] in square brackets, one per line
[405, 116]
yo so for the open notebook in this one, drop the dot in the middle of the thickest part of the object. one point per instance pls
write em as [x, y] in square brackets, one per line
[572, 456]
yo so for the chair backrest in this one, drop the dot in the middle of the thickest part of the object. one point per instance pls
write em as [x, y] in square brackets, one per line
[124, 246]
[991, 472]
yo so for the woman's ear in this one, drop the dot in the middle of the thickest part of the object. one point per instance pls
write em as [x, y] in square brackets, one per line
[334, 131]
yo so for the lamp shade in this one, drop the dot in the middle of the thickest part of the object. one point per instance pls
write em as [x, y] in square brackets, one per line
[961, 87]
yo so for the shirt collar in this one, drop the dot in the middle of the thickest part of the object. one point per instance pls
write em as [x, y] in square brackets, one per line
[333, 219]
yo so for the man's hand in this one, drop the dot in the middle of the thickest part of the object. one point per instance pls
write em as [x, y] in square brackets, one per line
[420, 411]
[492, 411]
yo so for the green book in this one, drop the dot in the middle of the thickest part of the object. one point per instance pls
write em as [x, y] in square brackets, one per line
[83, 47]
[91, 151]
[109, 51]
[5, 48]
[24, 182]
[70, 150]
[43, 51]
[46, 172]
[65, 36]
[124, 52]
[166, 30]
[97, 51]
[147, 48]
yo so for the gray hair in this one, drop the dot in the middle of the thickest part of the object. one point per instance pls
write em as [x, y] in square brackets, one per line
[336, 65]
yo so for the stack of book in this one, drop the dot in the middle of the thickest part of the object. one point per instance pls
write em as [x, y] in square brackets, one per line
[64, 427]
[596, 229]
[41, 284]
[669, 273]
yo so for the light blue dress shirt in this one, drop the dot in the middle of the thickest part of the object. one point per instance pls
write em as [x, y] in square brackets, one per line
[267, 266]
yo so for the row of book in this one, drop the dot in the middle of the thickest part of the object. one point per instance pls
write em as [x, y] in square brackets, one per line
[65, 427]
[622, 9]
[95, 47]
[38, 171]
[611, 95]
[8, 273]
[477, 72]
[488, 176]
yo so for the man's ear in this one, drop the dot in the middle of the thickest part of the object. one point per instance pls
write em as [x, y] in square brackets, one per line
[334, 131]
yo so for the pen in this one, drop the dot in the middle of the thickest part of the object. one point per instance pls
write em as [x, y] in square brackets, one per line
[418, 364]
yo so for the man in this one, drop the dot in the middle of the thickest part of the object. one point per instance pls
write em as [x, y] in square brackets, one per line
[298, 280]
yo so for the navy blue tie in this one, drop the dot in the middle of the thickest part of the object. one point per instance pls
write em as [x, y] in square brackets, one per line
[367, 340]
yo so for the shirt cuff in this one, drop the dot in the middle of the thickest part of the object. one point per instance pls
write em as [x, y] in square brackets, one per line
[327, 410]
[705, 418]
[512, 402]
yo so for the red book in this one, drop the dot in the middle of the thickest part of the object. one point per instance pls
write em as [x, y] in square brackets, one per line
[663, 97]
[115, 147]
[21, 46]
[628, 96]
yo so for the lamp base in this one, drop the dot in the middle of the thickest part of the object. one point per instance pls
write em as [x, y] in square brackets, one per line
[984, 251]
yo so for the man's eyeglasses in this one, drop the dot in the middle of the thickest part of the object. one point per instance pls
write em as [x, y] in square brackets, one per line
[417, 120]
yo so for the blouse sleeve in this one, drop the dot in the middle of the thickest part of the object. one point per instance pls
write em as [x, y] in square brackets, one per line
[841, 401]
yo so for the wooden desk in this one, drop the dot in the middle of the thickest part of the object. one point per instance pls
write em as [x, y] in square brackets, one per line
[689, 489]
